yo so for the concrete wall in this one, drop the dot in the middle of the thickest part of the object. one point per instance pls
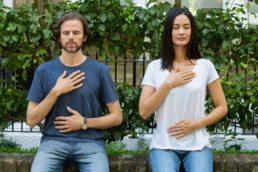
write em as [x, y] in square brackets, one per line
[135, 163]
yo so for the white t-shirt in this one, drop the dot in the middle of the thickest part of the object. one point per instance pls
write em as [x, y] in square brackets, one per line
[185, 101]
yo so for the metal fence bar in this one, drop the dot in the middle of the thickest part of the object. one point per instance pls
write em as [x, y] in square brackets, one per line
[125, 68]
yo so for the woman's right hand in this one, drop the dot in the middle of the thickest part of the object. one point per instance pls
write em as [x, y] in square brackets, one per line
[66, 84]
[177, 78]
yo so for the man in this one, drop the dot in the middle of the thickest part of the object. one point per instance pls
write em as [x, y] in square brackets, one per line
[68, 92]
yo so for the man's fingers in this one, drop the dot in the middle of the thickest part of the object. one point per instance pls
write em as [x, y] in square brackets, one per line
[58, 122]
[70, 110]
[78, 86]
[74, 74]
[61, 127]
[61, 118]
[75, 82]
[63, 75]
[78, 76]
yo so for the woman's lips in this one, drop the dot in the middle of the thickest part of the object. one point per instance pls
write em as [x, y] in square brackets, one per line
[181, 39]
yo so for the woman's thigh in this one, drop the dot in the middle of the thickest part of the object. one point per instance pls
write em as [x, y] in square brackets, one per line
[199, 161]
[163, 160]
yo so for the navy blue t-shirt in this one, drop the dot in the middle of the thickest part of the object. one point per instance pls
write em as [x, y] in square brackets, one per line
[98, 89]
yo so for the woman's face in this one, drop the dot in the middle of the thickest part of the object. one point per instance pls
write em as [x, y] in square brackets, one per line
[181, 30]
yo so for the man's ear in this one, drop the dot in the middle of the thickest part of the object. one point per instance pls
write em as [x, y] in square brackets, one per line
[85, 38]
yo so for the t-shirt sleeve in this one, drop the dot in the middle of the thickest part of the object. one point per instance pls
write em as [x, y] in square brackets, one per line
[148, 78]
[107, 89]
[36, 92]
[212, 73]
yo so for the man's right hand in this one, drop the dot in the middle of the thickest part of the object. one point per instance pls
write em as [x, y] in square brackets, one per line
[66, 84]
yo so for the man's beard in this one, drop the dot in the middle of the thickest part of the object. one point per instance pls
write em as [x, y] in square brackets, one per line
[72, 50]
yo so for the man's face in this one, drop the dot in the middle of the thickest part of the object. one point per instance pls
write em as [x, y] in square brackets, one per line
[72, 36]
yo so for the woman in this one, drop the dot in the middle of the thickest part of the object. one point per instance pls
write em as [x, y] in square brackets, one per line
[175, 87]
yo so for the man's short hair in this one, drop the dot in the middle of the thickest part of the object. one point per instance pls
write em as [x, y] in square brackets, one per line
[72, 16]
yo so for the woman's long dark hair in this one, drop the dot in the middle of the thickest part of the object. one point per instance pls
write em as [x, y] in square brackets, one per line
[167, 50]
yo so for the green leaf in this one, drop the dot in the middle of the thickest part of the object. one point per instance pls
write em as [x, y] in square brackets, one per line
[238, 76]
[225, 44]
[102, 29]
[244, 65]
[111, 16]
[248, 5]
[115, 37]
[15, 38]
[41, 52]
[32, 26]
[155, 23]
[117, 135]
[125, 27]
[205, 31]
[36, 38]
[204, 42]
[47, 34]
[103, 18]
[141, 14]
[7, 38]
[253, 99]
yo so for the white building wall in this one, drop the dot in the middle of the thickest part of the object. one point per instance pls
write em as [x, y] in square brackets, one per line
[8, 3]
[193, 5]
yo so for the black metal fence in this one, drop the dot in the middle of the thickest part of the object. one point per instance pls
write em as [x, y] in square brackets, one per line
[128, 68]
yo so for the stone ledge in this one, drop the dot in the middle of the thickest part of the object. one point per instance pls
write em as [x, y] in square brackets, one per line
[16, 162]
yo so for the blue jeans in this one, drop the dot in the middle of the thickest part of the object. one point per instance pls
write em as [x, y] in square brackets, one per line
[52, 155]
[164, 160]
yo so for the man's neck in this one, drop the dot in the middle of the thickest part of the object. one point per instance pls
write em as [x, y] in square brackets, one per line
[72, 59]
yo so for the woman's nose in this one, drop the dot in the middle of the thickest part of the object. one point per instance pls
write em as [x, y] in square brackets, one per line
[181, 31]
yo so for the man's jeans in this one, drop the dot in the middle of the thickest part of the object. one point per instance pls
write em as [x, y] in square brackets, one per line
[52, 155]
[164, 160]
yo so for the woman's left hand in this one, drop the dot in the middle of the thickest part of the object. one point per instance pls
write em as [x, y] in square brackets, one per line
[184, 127]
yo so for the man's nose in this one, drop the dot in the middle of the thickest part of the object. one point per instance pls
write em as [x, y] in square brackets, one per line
[71, 36]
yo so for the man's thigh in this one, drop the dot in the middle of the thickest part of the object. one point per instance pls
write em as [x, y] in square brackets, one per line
[164, 160]
[199, 161]
[90, 157]
[51, 156]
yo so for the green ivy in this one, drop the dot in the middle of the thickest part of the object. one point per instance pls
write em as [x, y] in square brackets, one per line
[13, 100]
[132, 123]
[233, 49]
[27, 40]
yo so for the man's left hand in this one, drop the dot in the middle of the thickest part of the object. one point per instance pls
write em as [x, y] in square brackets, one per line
[71, 123]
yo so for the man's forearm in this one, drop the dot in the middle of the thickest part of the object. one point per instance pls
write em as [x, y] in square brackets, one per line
[112, 119]
[107, 121]
[38, 111]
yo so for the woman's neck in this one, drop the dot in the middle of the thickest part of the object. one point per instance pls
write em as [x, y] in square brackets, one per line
[180, 54]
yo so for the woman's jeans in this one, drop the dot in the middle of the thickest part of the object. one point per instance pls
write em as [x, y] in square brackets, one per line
[52, 155]
[164, 160]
